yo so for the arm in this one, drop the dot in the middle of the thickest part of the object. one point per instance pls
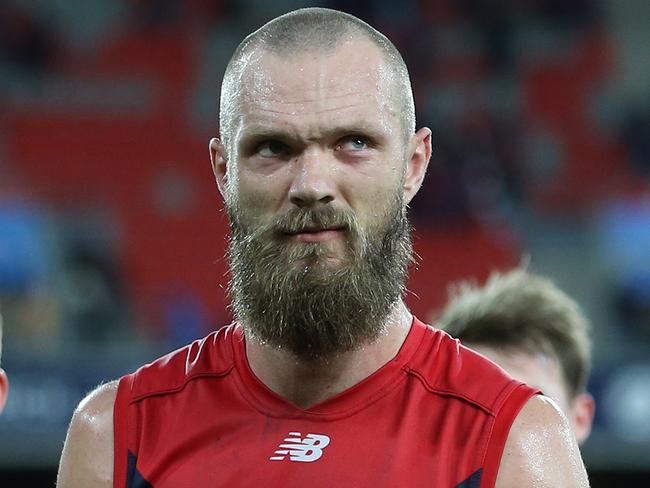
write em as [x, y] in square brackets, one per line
[87, 458]
[541, 450]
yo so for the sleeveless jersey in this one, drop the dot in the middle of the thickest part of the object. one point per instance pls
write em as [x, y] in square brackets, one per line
[436, 415]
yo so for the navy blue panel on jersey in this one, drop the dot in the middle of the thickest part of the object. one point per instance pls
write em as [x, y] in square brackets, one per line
[133, 478]
[473, 481]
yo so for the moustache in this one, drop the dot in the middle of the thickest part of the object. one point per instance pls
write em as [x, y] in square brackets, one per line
[299, 220]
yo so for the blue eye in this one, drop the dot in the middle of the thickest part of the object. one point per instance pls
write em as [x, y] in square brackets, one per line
[271, 149]
[353, 144]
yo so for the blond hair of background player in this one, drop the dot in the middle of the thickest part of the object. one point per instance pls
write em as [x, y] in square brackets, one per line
[531, 328]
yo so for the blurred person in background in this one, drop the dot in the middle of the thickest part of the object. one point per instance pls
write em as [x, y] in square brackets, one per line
[531, 328]
[4, 382]
[325, 378]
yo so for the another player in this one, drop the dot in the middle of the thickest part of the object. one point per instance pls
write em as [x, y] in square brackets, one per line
[535, 331]
[325, 378]
[4, 382]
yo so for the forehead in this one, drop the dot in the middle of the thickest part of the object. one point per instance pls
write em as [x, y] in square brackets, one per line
[350, 82]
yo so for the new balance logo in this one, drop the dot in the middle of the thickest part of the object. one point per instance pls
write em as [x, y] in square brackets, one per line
[305, 450]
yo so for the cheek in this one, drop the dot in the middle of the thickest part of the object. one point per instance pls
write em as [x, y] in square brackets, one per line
[372, 204]
[255, 201]
[380, 187]
[260, 194]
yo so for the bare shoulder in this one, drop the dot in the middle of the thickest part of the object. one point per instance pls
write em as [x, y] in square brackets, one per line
[87, 458]
[541, 449]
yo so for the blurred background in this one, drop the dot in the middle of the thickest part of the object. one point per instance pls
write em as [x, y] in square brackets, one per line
[112, 233]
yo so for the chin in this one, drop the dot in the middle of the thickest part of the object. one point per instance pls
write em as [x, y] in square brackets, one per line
[317, 252]
[326, 263]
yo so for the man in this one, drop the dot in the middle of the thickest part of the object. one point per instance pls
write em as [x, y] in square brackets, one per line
[325, 379]
[4, 382]
[533, 330]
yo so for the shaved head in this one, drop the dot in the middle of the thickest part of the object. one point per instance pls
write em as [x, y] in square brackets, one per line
[319, 32]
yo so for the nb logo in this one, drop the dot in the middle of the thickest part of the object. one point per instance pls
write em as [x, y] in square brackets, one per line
[305, 450]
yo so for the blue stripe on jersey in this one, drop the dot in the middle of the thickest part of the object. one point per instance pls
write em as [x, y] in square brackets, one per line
[473, 481]
[133, 478]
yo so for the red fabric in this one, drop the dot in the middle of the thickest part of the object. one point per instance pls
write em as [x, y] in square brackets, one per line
[517, 399]
[120, 428]
[433, 416]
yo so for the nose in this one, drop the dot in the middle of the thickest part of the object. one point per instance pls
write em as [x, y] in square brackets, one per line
[313, 182]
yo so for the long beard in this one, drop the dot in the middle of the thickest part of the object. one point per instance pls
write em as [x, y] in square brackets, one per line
[300, 297]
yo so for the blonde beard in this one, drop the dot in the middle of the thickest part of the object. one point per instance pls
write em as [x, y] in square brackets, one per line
[318, 307]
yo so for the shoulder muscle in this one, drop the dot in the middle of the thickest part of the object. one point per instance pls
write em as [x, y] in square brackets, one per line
[87, 458]
[541, 450]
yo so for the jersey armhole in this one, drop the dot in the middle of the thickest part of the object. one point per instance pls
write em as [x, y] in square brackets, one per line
[120, 431]
[500, 430]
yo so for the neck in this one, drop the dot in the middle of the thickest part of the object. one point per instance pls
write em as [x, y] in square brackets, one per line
[308, 382]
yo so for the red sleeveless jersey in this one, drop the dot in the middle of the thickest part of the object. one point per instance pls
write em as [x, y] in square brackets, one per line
[436, 415]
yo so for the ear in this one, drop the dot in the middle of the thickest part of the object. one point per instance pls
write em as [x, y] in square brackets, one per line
[218, 159]
[418, 160]
[4, 389]
[583, 409]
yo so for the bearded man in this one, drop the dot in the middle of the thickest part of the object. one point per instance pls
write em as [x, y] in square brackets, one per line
[325, 378]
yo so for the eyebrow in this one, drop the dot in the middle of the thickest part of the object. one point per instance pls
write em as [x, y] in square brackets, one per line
[261, 132]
